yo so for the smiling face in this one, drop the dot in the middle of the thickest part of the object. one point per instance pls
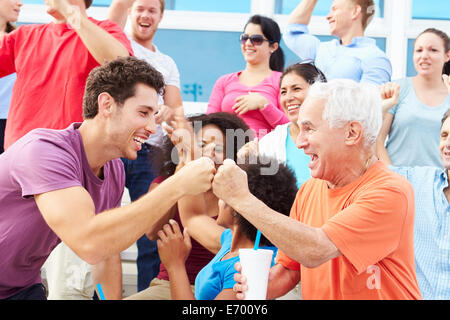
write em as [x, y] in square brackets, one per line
[145, 16]
[318, 140]
[444, 144]
[293, 91]
[9, 10]
[254, 54]
[212, 142]
[132, 123]
[340, 17]
[429, 54]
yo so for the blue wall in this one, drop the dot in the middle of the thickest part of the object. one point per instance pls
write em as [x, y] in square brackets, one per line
[203, 56]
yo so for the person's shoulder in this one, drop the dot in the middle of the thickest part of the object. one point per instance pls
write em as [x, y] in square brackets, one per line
[28, 29]
[50, 144]
[276, 76]
[383, 178]
[417, 173]
[229, 77]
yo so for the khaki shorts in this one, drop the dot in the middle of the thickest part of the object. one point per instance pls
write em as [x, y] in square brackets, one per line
[158, 290]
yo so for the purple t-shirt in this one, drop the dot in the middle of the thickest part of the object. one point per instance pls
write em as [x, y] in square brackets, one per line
[43, 160]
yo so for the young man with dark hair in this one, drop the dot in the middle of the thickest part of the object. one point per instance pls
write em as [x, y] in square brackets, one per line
[63, 185]
[144, 17]
[52, 62]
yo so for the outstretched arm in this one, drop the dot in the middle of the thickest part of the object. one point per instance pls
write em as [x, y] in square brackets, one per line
[70, 213]
[308, 245]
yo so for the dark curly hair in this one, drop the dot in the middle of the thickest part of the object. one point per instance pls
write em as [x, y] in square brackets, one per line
[87, 3]
[234, 129]
[307, 71]
[277, 191]
[119, 78]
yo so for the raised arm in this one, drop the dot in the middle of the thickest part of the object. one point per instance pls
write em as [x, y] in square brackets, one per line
[390, 93]
[102, 45]
[297, 36]
[303, 12]
[118, 11]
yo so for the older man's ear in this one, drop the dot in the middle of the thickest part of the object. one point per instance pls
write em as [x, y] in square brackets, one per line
[354, 133]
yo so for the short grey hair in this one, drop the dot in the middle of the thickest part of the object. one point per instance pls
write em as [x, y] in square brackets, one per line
[348, 101]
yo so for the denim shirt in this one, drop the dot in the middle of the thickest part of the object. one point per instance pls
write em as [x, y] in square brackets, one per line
[361, 60]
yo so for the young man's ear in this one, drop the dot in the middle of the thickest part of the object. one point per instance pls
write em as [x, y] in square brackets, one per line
[105, 104]
[356, 12]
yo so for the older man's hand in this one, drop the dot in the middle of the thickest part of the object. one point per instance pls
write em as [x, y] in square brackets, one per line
[230, 183]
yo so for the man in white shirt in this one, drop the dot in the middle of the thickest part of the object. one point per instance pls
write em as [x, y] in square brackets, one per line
[144, 18]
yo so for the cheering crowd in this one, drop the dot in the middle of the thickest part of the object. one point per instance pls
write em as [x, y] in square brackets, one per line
[342, 169]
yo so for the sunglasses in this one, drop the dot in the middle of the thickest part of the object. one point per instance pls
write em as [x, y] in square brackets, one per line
[255, 39]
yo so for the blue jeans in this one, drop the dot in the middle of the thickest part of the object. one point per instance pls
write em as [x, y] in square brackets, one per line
[139, 174]
[35, 292]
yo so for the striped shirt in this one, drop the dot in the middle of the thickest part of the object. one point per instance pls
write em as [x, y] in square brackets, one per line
[431, 230]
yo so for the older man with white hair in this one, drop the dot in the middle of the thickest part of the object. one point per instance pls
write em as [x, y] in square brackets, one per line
[350, 232]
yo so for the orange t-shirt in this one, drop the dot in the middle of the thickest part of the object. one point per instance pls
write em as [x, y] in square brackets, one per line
[371, 222]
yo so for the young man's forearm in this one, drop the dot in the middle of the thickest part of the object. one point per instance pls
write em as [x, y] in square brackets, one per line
[303, 12]
[115, 230]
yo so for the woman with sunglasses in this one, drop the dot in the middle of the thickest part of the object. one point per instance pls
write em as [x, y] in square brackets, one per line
[9, 12]
[252, 93]
[280, 143]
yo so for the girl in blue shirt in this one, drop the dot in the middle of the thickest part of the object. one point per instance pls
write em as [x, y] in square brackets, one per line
[412, 126]
[229, 233]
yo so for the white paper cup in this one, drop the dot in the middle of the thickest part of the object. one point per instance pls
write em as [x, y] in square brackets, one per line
[255, 267]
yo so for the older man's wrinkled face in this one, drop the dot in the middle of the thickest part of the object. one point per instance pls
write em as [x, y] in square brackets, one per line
[444, 145]
[323, 144]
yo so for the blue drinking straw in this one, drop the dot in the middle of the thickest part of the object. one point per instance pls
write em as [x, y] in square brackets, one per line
[100, 291]
[258, 237]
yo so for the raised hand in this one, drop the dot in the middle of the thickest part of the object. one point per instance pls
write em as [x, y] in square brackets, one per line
[390, 93]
